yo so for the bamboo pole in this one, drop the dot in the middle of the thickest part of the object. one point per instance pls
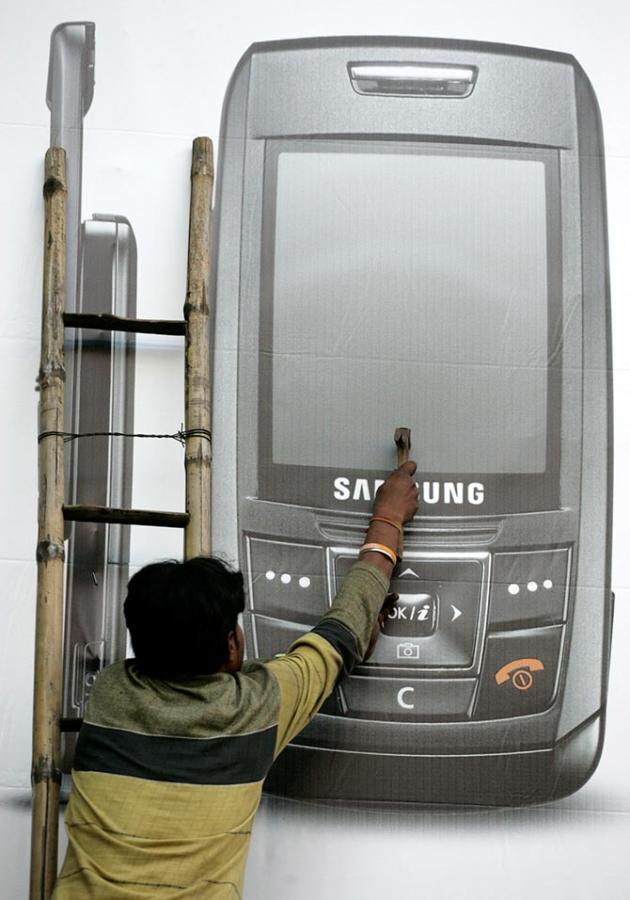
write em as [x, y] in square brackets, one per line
[198, 455]
[45, 773]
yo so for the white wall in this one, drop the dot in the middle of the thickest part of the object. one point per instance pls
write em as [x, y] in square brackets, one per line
[161, 71]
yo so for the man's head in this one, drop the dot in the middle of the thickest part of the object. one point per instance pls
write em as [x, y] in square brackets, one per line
[182, 618]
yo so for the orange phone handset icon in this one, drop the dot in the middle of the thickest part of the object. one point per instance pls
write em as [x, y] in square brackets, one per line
[519, 672]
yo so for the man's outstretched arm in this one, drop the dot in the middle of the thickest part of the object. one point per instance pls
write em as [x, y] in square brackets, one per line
[308, 672]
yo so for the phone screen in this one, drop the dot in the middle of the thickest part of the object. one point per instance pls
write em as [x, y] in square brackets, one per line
[410, 285]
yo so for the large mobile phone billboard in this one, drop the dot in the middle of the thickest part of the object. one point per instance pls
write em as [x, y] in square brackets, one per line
[407, 232]
[412, 241]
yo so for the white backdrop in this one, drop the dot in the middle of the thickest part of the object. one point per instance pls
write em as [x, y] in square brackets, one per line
[161, 71]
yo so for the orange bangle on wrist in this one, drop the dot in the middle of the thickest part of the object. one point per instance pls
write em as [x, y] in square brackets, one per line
[399, 529]
[395, 525]
[391, 555]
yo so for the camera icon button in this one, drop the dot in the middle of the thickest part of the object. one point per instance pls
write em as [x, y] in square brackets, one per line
[407, 650]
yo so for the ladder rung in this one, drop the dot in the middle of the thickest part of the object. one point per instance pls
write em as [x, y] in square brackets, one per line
[125, 516]
[67, 725]
[106, 322]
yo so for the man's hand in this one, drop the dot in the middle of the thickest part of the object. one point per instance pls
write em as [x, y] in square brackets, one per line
[395, 503]
[397, 497]
[386, 609]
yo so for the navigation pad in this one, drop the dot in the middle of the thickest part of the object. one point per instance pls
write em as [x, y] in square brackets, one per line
[435, 622]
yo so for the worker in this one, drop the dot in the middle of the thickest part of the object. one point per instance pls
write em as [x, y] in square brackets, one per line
[176, 742]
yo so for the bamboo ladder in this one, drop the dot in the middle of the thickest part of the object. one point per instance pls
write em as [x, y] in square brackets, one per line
[52, 513]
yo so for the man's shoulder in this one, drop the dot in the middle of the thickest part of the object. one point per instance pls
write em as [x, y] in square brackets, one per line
[125, 699]
[110, 693]
[256, 683]
[111, 677]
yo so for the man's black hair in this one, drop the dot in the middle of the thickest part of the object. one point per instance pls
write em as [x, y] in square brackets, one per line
[179, 616]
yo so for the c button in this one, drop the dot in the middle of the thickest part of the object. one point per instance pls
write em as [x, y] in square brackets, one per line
[401, 697]
[406, 699]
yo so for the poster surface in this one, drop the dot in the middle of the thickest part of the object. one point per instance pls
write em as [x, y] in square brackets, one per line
[343, 241]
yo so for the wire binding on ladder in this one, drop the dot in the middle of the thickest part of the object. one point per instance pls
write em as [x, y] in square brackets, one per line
[179, 436]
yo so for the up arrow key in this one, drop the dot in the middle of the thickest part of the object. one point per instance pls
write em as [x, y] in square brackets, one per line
[409, 572]
[456, 612]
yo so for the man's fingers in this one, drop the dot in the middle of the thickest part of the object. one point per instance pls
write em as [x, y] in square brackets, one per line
[389, 603]
[409, 467]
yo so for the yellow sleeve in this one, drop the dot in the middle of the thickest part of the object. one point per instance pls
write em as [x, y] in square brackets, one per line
[307, 674]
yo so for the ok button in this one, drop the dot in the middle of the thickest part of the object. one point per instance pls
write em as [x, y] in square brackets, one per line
[415, 615]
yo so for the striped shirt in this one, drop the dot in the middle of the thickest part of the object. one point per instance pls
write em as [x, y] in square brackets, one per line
[168, 775]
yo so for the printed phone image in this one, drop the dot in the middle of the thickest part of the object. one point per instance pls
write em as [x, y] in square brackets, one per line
[101, 269]
[98, 553]
[412, 232]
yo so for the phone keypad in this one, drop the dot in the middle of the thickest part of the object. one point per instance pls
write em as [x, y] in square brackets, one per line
[473, 636]
[408, 699]
[274, 636]
[519, 673]
[288, 581]
[528, 587]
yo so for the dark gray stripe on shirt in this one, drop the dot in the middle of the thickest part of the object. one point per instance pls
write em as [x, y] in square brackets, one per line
[237, 759]
[342, 639]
